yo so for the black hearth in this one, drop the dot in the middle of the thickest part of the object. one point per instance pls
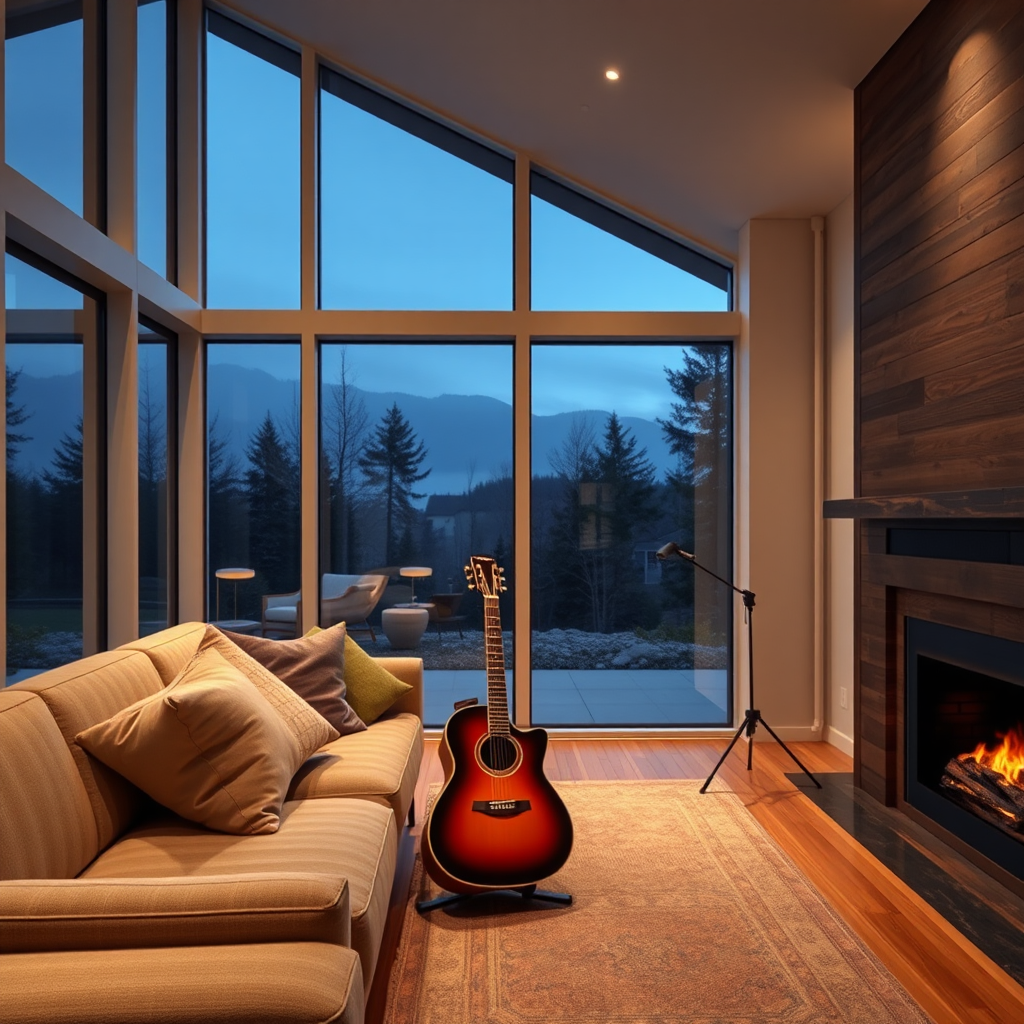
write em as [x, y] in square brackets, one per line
[962, 689]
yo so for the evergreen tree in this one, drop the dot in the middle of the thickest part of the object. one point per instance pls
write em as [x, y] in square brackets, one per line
[701, 413]
[272, 489]
[63, 566]
[391, 465]
[16, 415]
[152, 478]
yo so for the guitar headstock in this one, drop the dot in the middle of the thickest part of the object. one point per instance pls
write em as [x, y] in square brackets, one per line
[485, 575]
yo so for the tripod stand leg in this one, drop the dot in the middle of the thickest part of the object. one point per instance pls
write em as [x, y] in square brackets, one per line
[791, 754]
[721, 760]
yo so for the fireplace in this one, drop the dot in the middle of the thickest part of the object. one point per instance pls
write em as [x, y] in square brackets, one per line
[964, 694]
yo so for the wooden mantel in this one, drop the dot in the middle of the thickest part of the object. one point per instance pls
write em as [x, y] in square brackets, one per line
[989, 503]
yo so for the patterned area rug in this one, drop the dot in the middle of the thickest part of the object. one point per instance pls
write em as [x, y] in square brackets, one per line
[685, 912]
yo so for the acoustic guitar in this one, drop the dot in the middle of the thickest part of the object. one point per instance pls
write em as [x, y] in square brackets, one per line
[497, 822]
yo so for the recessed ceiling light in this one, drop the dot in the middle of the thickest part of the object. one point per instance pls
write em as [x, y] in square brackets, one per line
[612, 75]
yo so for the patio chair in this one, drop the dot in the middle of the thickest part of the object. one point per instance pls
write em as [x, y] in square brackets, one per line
[443, 612]
[344, 598]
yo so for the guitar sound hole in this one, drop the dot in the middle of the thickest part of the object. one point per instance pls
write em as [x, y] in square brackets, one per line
[498, 753]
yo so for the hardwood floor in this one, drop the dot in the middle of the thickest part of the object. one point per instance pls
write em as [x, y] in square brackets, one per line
[952, 980]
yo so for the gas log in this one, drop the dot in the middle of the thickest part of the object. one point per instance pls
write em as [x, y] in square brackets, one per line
[986, 793]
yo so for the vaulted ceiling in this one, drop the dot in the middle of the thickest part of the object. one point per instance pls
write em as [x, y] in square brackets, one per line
[725, 109]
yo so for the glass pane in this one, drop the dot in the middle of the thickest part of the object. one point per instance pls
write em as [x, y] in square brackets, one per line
[404, 223]
[417, 477]
[152, 135]
[634, 453]
[252, 177]
[252, 478]
[46, 321]
[43, 97]
[587, 256]
[154, 455]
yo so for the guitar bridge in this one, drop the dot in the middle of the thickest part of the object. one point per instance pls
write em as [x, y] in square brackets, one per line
[501, 808]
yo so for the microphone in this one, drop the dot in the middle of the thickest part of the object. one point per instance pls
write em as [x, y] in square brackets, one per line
[672, 548]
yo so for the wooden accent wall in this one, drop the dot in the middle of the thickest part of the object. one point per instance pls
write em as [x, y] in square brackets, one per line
[939, 329]
[940, 181]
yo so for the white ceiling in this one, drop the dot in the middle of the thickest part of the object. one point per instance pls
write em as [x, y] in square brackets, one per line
[726, 109]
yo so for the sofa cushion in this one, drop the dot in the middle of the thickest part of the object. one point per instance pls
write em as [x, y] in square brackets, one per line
[39, 916]
[209, 747]
[370, 688]
[47, 826]
[354, 839]
[381, 764]
[313, 666]
[78, 696]
[273, 983]
[171, 649]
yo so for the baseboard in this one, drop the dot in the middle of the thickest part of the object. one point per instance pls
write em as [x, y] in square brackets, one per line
[789, 734]
[839, 740]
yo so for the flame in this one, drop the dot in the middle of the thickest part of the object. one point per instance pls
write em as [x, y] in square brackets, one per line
[1006, 758]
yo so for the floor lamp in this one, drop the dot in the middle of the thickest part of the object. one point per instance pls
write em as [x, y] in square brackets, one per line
[753, 717]
[236, 575]
[414, 573]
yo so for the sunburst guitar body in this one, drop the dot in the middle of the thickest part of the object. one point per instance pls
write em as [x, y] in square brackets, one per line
[497, 822]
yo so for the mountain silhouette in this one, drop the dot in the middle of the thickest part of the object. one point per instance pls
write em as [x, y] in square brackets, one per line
[468, 437]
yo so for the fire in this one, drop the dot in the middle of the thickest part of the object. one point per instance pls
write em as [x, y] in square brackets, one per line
[1007, 758]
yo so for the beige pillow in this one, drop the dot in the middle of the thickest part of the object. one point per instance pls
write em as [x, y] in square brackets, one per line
[312, 666]
[308, 726]
[208, 747]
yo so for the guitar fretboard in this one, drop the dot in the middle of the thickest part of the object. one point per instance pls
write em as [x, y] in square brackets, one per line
[497, 693]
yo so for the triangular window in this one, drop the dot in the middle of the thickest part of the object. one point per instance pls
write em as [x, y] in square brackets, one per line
[586, 256]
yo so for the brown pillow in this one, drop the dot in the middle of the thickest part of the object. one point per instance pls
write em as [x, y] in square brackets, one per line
[313, 666]
[208, 747]
[308, 726]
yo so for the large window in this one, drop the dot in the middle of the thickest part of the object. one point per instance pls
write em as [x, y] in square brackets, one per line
[252, 169]
[631, 451]
[155, 126]
[44, 97]
[413, 215]
[417, 477]
[157, 478]
[51, 327]
[252, 499]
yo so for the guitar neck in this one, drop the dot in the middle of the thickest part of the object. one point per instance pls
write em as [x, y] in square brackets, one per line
[497, 692]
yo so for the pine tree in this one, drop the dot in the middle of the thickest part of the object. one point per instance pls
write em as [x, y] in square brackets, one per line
[390, 464]
[16, 415]
[272, 489]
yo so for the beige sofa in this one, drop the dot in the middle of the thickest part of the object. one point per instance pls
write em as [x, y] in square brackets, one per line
[112, 909]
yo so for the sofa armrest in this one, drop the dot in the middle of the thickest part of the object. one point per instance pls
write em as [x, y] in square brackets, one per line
[409, 670]
[45, 915]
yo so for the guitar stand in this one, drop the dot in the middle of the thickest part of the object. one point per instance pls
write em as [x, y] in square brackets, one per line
[528, 892]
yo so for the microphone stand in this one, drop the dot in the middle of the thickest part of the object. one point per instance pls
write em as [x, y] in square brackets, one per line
[753, 717]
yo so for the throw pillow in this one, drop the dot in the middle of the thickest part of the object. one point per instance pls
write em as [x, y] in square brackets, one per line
[313, 666]
[370, 688]
[208, 747]
[307, 725]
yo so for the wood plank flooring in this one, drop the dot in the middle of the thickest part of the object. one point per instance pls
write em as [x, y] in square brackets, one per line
[952, 980]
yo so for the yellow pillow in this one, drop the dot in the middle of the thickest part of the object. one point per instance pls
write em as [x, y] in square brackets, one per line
[370, 689]
[208, 746]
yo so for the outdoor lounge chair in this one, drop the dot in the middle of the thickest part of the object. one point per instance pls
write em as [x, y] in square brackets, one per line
[443, 609]
[343, 598]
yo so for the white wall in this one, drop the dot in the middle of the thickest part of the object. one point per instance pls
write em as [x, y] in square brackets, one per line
[839, 368]
[775, 493]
